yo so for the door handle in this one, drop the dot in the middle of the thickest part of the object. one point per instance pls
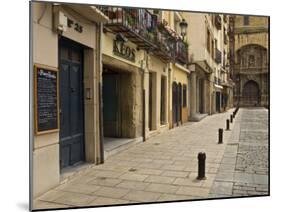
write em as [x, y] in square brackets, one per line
[72, 90]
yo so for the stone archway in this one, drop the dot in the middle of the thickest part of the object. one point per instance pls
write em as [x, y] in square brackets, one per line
[250, 94]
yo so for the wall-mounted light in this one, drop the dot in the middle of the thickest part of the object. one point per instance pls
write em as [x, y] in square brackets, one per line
[183, 28]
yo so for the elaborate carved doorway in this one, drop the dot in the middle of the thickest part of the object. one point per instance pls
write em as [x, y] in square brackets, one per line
[251, 94]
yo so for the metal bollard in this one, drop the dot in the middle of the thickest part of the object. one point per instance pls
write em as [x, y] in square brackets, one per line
[227, 124]
[233, 115]
[201, 166]
[231, 118]
[220, 136]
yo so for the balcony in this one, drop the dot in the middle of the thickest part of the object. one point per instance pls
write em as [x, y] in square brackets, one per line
[218, 22]
[181, 52]
[218, 56]
[142, 29]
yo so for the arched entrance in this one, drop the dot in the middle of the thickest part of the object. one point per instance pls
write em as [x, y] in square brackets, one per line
[251, 94]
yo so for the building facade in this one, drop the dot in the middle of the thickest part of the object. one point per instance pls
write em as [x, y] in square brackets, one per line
[66, 39]
[251, 61]
[119, 76]
[210, 87]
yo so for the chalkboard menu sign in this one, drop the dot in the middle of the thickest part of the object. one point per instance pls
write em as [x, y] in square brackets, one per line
[46, 99]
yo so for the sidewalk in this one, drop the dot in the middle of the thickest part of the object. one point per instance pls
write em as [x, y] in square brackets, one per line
[164, 168]
[244, 167]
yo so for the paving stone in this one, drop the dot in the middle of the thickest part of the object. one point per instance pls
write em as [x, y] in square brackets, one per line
[142, 196]
[149, 171]
[74, 199]
[162, 188]
[159, 179]
[133, 176]
[105, 181]
[78, 188]
[260, 179]
[193, 191]
[38, 204]
[173, 197]
[222, 188]
[175, 173]
[108, 201]
[225, 176]
[132, 185]
[243, 177]
[111, 192]
[174, 167]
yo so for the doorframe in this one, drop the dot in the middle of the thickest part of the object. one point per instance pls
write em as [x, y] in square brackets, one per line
[63, 41]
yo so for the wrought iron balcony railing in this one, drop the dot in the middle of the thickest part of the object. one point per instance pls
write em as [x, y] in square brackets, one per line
[181, 52]
[142, 28]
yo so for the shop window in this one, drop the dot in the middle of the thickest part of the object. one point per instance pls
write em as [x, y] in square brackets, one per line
[184, 96]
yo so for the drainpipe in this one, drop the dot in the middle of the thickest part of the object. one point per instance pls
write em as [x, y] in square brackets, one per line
[99, 62]
[144, 65]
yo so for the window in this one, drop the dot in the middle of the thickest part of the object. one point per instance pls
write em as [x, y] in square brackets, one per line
[184, 96]
[208, 40]
[212, 50]
[246, 20]
[251, 61]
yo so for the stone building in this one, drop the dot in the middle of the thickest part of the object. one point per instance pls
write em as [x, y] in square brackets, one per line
[210, 86]
[251, 60]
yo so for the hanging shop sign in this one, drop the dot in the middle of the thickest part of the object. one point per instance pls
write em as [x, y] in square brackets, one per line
[46, 99]
[126, 52]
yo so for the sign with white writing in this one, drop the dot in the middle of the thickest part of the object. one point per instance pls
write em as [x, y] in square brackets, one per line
[46, 99]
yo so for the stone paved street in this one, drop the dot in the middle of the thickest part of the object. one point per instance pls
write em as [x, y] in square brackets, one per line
[245, 171]
[164, 168]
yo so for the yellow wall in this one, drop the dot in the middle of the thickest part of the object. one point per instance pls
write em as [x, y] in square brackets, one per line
[107, 49]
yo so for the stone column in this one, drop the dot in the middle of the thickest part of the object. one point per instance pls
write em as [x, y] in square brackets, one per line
[193, 91]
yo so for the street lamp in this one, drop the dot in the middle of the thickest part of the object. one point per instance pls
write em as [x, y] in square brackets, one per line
[183, 28]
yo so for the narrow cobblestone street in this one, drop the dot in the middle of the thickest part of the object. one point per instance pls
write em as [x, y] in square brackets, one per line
[164, 168]
[245, 171]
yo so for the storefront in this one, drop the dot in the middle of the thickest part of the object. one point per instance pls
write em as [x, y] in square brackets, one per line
[157, 88]
[179, 98]
[66, 65]
[122, 93]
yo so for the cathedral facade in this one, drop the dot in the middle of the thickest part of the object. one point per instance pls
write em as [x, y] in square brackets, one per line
[251, 61]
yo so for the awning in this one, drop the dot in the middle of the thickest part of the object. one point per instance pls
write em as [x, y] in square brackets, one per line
[90, 12]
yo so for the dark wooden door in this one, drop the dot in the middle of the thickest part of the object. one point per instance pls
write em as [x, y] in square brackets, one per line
[71, 105]
[218, 101]
[111, 126]
[175, 103]
[251, 94]
[150, 102]
[179, 104]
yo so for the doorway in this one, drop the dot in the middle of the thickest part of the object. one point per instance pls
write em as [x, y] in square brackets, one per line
[71, 134]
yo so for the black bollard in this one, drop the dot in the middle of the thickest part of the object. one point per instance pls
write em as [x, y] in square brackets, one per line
[231, 118]
[220, 136]
[227, 124]
[233, 115]
[201, 166]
